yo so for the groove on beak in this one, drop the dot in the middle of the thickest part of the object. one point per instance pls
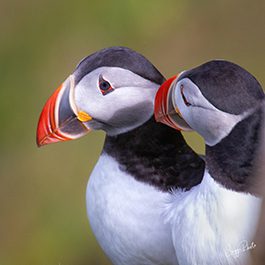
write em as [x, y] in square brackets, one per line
[59, 120]
[165, 110]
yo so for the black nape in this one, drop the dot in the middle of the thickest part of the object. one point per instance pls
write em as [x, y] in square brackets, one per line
[231, 162]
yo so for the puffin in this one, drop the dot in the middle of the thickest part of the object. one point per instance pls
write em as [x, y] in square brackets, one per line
[214, 222]
[141, 162]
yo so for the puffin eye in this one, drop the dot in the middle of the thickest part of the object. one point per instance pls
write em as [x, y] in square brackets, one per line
[104, 86]
[183, 96]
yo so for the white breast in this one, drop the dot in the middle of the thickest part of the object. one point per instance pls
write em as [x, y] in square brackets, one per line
[211, 224]
[126, 217]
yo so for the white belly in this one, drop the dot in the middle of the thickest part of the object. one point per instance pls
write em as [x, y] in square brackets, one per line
[126, 217]
[213, 224]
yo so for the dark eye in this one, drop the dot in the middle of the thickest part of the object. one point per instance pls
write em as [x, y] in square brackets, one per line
[183, 96]
[104, 86]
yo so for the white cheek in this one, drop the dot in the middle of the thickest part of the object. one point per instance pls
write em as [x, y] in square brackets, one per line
[130, 96]
[179, 103]
[88, 98]
[105, 107]
[127, 107]
[211, 123]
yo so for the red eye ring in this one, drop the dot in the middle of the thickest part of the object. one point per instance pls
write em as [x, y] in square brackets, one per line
[183, 96]
[104, 86]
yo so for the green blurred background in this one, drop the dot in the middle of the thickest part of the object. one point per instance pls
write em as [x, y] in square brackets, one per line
[42, 191]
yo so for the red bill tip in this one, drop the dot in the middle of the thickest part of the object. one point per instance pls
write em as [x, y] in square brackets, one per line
[165, 111]
[161, 102]
[47, 131]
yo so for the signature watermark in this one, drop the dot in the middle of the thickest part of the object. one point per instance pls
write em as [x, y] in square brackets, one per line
[243, 246]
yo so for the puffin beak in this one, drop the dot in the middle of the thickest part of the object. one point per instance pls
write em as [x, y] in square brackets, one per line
[166, 110]
[60, 119]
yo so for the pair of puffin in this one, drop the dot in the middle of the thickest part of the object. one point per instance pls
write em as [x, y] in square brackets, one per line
[150, 198]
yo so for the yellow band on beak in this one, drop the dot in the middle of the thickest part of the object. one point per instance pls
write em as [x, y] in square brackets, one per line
[83, 116]
[178, 112]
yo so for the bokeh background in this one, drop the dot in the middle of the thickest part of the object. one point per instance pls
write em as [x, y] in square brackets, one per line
[42, 191]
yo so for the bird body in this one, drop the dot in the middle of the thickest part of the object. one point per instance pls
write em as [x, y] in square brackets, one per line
[128, 189]
[215, 221]
[141, 162]
[126, 216]
[209, 224]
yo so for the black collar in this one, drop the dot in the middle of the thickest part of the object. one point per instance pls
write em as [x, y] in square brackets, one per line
[158, 155]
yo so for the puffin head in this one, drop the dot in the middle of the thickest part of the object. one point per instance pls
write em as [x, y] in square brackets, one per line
[112, 90]
[210, 99]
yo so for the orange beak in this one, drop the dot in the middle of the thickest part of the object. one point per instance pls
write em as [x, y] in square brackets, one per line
[60, 120]
[165, 110]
